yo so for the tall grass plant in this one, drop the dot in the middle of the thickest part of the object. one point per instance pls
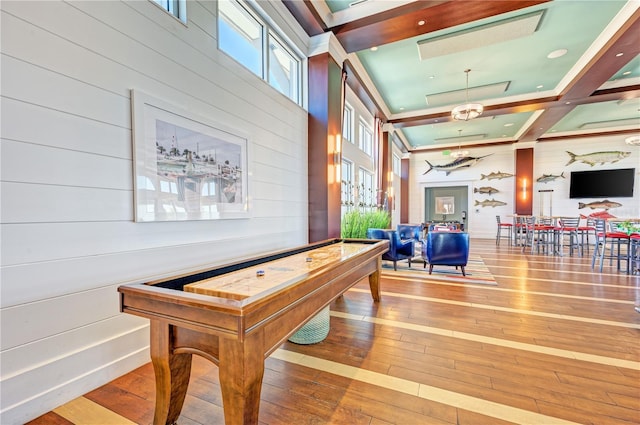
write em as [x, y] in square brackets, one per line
[355, 223]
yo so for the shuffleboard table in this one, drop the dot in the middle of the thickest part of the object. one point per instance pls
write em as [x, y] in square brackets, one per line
[236, 315]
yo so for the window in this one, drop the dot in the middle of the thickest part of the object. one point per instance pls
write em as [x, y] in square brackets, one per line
[347, 183]
[284, 69]
[242, 33]
[177, 8]
[347, 123]
[366, 190]
[396, 165]
[365, 139]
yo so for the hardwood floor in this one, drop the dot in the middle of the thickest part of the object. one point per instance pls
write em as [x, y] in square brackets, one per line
[552, 343]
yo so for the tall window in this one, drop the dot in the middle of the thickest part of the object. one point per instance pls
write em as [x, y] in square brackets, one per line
[347, 123]
[396, 165]
[284, 69]
[366, 190]
[177, 8]
[242, 33]
[348, 185]
[365, 140]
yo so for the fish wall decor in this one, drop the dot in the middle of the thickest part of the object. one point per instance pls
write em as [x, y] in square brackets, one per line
[463, 162]
[486, 190]
[546, 178]
[490, 203]
[606, 204]
[492, 176]
[597, 157]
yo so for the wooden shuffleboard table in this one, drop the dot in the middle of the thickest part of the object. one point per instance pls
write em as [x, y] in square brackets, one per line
[236, 315]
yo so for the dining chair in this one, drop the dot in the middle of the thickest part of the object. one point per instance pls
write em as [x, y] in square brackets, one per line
[567, 230]
[613, 240]
[508, 227]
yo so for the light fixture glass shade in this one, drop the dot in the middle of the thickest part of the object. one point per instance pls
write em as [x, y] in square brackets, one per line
[459, 154]
[467, 112]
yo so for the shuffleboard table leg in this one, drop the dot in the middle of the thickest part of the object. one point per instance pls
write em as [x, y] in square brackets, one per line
[172, 373]
[241, 371]
[374, 281]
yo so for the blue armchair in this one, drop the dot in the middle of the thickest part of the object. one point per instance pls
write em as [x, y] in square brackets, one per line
[410, 231]
[398, 250]
[446, 249]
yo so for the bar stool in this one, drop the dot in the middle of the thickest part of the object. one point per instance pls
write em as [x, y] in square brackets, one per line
[633, 264]
[615, 240]
[508, 227]
[538, 235]
[568, 227]
[585, 233]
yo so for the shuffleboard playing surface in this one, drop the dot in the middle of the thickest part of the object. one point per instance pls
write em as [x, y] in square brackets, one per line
[251, 281]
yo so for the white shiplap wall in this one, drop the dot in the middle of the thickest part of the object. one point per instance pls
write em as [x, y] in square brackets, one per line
[68, 236]
[549, 158]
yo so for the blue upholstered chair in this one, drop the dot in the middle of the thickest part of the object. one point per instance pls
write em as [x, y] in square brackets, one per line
[398, 250]
[410, 231]
[446, 249]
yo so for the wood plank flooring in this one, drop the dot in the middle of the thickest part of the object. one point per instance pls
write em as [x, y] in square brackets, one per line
[553, 343]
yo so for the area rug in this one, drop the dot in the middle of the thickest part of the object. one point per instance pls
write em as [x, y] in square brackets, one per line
[476, 271]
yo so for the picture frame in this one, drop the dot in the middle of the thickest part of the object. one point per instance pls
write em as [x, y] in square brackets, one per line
[445, 205]
[186, 167]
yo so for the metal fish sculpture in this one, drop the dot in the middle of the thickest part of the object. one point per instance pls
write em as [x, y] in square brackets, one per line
[606, 204]
[465, 161]
[486, 190]
[499, 175]
[598, 157]
[549, 178]
[490, 203]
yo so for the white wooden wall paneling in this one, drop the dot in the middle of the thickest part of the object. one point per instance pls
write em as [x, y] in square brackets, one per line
[32, 321]
[68, 377]
[21, 80]
[49, 350]
[202, 68]
[29, 282]
[24, 203]
[156, 66]
[63, 167]
[62, 130]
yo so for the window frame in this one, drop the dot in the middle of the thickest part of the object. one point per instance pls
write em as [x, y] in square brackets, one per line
[365, 145]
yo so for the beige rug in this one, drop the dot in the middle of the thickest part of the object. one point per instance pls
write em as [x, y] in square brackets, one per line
[476, 271]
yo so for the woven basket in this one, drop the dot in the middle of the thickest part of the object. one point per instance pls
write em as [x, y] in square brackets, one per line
[315, 330]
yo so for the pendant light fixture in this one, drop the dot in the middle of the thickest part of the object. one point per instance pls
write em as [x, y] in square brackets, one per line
[467, 111]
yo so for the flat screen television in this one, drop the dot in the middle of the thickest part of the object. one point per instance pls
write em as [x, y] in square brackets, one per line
[602, 183]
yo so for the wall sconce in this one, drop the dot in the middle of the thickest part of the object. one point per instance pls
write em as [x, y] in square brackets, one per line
[524, 190]
[337, 157]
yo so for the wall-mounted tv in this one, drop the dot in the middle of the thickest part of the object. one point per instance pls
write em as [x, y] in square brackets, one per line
[602, 183]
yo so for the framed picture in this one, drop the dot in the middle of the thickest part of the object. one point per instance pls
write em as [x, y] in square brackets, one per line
[445, 205]
[186, 167]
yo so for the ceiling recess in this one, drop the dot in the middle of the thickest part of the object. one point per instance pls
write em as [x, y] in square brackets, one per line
[481, 36]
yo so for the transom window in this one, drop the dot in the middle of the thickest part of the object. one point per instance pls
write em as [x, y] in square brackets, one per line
[347, 123]
[177, 8]
[245, 36]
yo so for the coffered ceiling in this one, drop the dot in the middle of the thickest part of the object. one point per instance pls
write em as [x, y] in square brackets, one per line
[543, 70]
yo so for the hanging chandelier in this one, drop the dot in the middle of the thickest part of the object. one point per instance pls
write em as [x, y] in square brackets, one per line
[459, 153]
[468, 110]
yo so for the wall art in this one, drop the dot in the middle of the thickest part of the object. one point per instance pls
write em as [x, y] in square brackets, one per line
[606, 204]
[594, 158]
[186, 167]
[546, 178]
[495, 176]
[490, 203]
[445, 205]
[465, 161]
